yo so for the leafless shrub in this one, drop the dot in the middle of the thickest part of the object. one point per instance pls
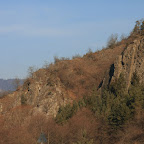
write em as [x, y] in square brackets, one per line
[76, 56]
[46, 65]
[112, 40]
[57, 59]
[31, 70]
[123, 37]
[89, 51]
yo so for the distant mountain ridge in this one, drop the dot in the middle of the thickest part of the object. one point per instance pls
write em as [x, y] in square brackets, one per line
[8, 85]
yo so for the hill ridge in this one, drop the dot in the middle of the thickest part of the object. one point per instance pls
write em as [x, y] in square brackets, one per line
[68, 80]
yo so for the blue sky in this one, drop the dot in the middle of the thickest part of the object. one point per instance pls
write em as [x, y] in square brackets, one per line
[34, 31]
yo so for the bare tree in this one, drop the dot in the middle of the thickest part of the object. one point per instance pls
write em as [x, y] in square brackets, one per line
[112, 40]
[31, 70]
[46, 65]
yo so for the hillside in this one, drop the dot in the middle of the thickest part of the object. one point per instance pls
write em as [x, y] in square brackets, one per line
[65, 81]
[109, 75]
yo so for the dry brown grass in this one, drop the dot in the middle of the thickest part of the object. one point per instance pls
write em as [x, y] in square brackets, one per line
[81, 75]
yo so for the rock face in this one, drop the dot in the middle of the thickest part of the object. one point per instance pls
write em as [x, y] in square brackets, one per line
[131, 60]
[45, 94]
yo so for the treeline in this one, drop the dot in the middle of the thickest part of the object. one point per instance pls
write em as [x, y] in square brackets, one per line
[115, 104]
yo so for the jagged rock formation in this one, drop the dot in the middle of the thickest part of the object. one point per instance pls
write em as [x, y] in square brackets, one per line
[67, 80]
[131, 60]
[44, 94]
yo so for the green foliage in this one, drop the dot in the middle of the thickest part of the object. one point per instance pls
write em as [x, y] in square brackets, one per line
[94, 103]
[118, 88]
[115, 104]
[125, 103]
[119, 114]
[66, 112]
[135, 80]
[136, 92]
[81, 103]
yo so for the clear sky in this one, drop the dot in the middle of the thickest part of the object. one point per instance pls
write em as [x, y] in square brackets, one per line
[34, 31]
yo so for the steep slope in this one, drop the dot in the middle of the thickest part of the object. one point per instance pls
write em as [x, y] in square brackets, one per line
[68, 80]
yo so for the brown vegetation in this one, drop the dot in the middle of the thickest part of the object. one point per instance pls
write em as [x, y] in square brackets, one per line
[114, 115]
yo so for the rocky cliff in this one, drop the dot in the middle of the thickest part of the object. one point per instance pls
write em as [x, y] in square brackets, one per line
[45, 94]
[131, 60]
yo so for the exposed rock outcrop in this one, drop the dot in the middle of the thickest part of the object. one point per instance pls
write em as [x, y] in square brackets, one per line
[44, 94]
[131, 60]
